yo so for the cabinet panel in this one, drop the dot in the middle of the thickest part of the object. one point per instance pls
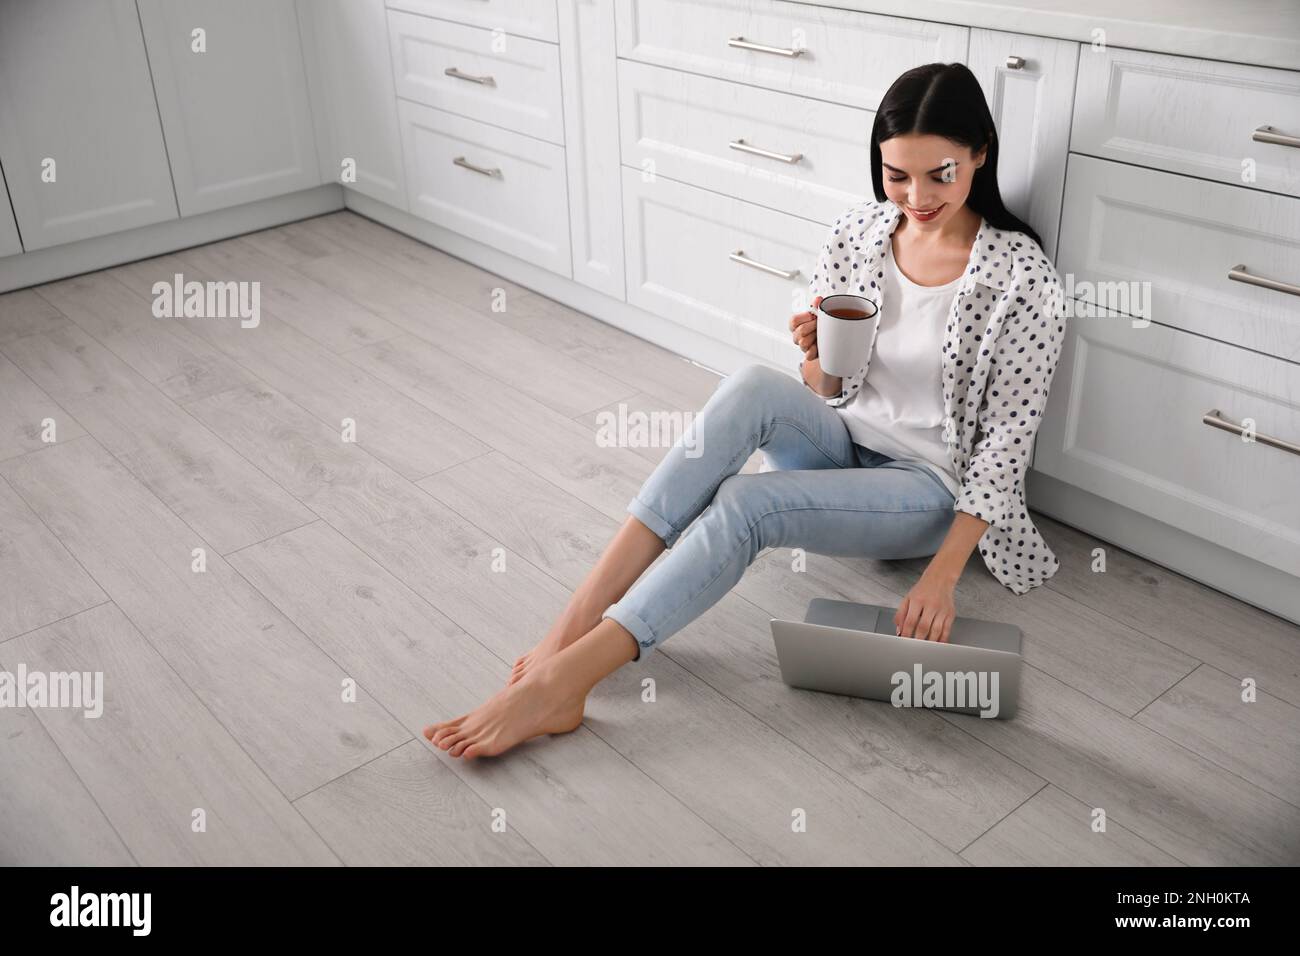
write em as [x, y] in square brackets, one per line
[236, 117]
[526, 18]
[845, 56]
[1165, 247]
[10, 245]
[588, 68]
[1029, 84]
[345, 43]
[504, 189]
[515, 86]
[705, 132]
[75, 89]
[1125, 422]
[1190, 116]
[680, 241]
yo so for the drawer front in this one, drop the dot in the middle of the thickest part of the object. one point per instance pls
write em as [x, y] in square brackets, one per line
[702, 131]
[525, 18]
[847, 57]
[514, 84]
[1124, 421]
[1127, 225]
[679, 242]
[1189, 116]
[521, 208]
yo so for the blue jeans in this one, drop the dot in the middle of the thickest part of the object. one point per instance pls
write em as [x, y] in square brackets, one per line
[826, 496]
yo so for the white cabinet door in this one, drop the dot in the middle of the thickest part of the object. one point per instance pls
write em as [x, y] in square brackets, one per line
[79, 138]
[589, 71]
[1029, 83]
[236, 116]
[345, 43]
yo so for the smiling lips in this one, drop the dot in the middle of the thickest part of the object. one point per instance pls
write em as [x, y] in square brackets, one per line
[925, 215]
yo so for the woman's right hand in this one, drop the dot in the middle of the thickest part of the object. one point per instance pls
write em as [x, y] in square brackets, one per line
[804, 329]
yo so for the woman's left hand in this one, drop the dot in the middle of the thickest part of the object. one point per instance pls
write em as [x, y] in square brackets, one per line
[927, 610]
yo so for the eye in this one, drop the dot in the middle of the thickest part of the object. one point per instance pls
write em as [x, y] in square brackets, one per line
[896, 179]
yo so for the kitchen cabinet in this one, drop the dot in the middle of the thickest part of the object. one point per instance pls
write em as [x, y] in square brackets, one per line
[345, 45]
[236, 114]
[80, 143]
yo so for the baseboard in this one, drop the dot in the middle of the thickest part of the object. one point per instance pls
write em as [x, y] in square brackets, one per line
[673, 336]
[1203, 561]
[102, 252]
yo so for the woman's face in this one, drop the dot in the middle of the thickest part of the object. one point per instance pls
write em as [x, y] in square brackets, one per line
[928, 177]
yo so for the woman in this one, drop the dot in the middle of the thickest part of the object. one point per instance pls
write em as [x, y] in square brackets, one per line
[925, 457]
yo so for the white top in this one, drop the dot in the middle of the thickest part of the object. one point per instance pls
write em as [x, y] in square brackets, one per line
[899, 411]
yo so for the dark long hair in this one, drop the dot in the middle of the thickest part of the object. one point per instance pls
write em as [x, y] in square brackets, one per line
[945, 99]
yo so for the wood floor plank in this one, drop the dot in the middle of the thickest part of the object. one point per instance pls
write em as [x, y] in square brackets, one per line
[42, 581]
[641, 406]
[313, 308]
[943, 781]
[421, 669]
[597, 345]
[156, 754]
[277, 693]
[1054, 829]
[560, 449]
[24, 312]
[1206, 624]
[455, 278]
[24, 410]
[502, 355]
[47, 816]
[398, 430]
[407, 809]
[292, 243]
[183, 366]
[457, 567]
[1259, 741]
[1173, 798]
[424, 668]
[1092, 652]
[228, 502]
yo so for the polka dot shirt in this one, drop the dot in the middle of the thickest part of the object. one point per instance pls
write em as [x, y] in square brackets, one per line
[1001, 348]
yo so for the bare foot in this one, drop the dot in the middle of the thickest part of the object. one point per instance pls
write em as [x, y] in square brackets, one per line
[543, 703]
[564, 633]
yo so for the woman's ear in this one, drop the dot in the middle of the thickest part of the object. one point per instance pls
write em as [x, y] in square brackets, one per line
[980, 156]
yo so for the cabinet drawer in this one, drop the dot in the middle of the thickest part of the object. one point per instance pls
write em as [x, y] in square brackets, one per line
[525, 18]
[1128, 226]
[1124, 421]
[1189, 116]
[683, 126]
[847, 57]
[679, 242]
[518, 204]
[517, 88]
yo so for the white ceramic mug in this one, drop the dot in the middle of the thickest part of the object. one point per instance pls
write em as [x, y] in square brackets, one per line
[842, 343]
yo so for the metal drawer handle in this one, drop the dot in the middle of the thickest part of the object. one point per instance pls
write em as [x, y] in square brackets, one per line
[452, 71]
[1015, 63]
[744, 260]
[744, 147]
[1267, 134]
[462, 161]
[741, 43]
[1238, 273]
[1215, 418]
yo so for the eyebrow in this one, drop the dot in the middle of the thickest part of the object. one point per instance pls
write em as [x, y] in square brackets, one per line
[938, 169]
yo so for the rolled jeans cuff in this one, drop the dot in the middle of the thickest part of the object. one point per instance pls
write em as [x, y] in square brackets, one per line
[654, 521]
[639, 629]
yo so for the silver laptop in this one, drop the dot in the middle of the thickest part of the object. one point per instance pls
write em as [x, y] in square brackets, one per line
[845, 648]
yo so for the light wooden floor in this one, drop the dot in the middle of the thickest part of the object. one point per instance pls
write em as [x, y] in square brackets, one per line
[419, 561]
